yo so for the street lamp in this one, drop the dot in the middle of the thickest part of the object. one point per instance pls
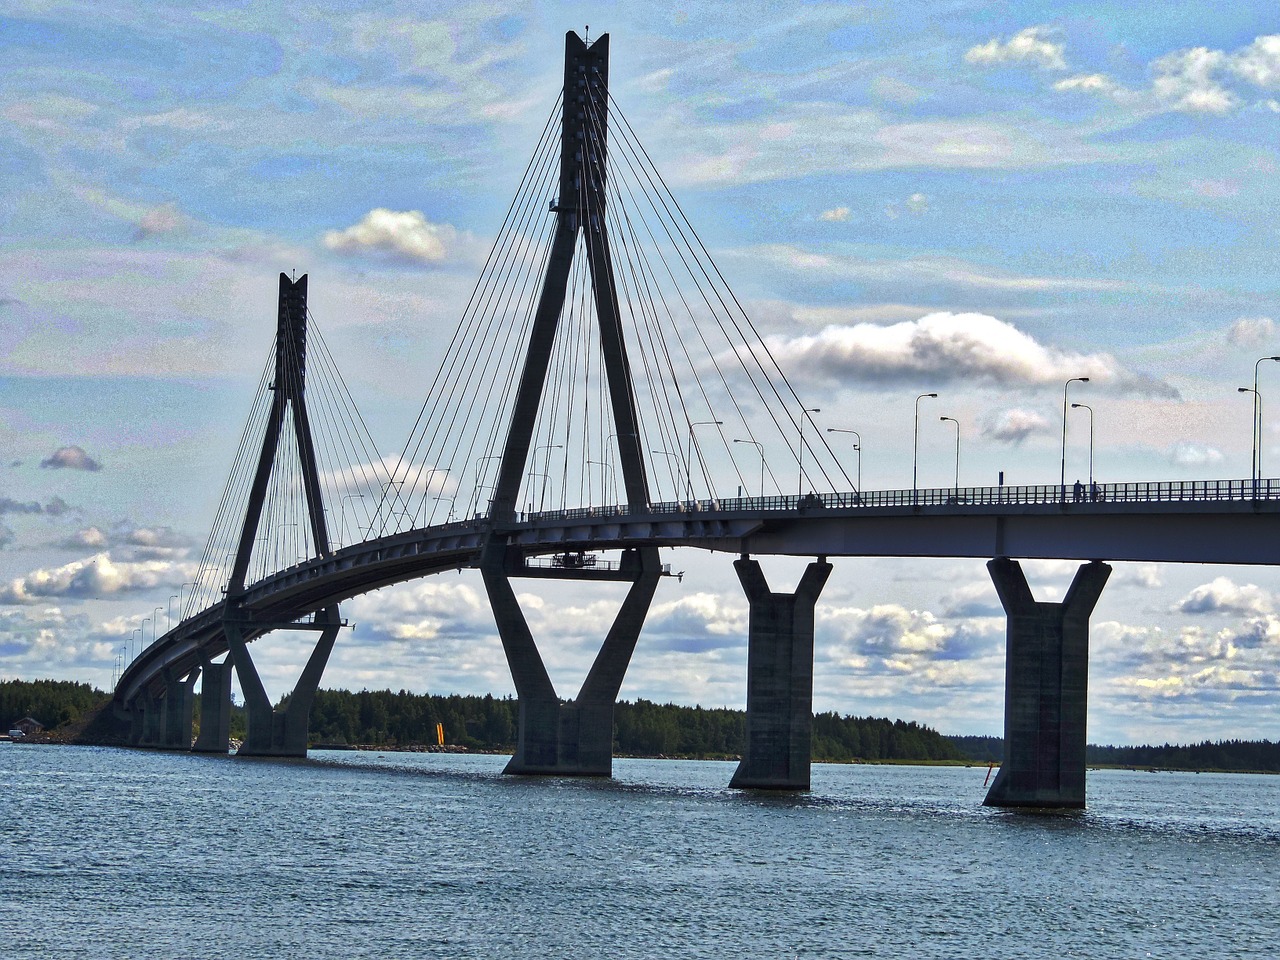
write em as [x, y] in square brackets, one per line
[176, 596]
[606, 476]
[857, 448]
[671, 456]
[449, 516]
[479, 461]
[957, 423]
[143, 641]
[1257, 422]
[155, 623]
[1257, 415]
[688, 457]
[759, 449]
[915, 448]
[804, 415]
[1085, 406]
[1062, 481]
[343, 512]
[533, 462]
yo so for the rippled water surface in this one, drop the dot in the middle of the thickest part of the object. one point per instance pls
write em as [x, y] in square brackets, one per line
[117, 853]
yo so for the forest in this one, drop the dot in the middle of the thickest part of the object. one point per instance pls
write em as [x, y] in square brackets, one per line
[401, 720]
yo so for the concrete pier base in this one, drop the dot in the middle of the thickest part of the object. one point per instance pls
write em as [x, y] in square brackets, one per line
[177, 709]
[1046, 688]
[215, 709]
[283, 732]
[573, 739]
[779, 679]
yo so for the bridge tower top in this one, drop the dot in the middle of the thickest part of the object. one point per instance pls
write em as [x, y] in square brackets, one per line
[288, 398]
[581, 208]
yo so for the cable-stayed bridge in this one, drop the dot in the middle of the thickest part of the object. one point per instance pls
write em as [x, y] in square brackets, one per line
[605, 396]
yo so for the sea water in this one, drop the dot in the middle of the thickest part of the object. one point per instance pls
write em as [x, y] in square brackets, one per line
[135, 854]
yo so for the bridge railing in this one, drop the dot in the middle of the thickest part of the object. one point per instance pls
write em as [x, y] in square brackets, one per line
[1147, 491]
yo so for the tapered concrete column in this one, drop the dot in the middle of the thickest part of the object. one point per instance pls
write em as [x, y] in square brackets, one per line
[178, 708]
[1046, 689]
[573, 739]
[137, 721]
[152, 721]
[779, 679]
[283, 732]
[215, 709]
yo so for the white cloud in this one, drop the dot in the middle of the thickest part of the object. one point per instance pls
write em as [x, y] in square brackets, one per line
[166, 218]
[1191, 80]
[1259, 63]
[1248, 331]
[94, 577]
[835, 215]
[1184, 80]
[946, 347]
[406, 235]
[1188, 454]
[71, 458]
[1014, 426]
[1026, 46]
[1221, 595]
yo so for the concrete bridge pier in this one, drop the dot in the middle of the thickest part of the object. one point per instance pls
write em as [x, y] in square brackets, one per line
[779, 679]
[1046, 686]
[282, 732]
[573, 739]
[215, 709]
[177, 709]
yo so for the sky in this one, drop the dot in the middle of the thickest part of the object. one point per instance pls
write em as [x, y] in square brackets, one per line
[970, 199]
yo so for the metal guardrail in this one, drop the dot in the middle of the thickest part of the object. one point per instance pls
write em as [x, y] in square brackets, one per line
[1154, 491]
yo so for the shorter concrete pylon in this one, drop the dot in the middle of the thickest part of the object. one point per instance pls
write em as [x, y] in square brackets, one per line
[1046, 689]
[779, 745]
[283, 732]
[215, 709]
[573, 739]
[177, 710]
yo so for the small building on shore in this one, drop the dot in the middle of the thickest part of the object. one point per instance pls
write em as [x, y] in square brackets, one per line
[27, 725]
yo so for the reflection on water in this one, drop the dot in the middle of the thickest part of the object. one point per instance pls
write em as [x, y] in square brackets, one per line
[114, 853]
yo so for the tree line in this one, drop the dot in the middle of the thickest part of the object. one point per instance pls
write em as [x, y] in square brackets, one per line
[389, 720]
[642, 728]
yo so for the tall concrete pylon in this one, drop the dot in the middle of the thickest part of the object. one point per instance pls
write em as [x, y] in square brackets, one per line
[574, 738]
[284, 733]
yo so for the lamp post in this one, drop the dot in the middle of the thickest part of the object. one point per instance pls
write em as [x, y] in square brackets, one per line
[431, 479]
[915, 449]
[343, 512]
[804, 415]
[957, 423]
[155, 623]
[479, 461]
[759, 449]
[671, 456]
[606, 475]
[176, 596]
[189, 583]
[1085, 406]
[857, 448]
[449, 516]
[1257, 422]
[546, 464]
[688, 456]
[143, 641]
[1257, 414]
[1062, 480]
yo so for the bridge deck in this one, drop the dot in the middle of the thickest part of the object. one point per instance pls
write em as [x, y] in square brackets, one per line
[1201, 521]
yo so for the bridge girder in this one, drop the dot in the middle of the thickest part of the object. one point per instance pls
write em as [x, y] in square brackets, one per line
[1228, 532]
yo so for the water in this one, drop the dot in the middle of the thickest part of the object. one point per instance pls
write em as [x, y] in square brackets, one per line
[113, 853]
